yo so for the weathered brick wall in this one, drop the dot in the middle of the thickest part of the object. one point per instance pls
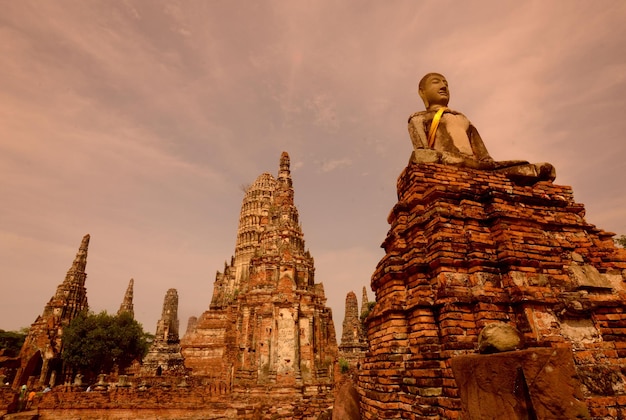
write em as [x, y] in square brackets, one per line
[467, 248]
[173, 402]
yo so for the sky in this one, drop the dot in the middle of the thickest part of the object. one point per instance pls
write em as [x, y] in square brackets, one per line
[140, 123]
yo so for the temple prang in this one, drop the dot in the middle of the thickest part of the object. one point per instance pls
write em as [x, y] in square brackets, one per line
[365, 304]
[127, 303]
[164, 356]
[353, 341]
[40, 357]
[267, 323]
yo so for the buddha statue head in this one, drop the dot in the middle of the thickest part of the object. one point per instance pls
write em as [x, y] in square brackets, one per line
[433, 89]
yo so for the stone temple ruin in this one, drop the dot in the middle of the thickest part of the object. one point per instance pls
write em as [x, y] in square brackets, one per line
[40, 356]
[472, 246]
[127, 304]
[353, 341]
[266, 347]
[164, 356]
[495, 299]
[268, 323]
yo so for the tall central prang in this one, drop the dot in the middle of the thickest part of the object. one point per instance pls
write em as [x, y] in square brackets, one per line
[267, 322]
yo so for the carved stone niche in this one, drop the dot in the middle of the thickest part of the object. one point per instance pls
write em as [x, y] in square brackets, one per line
[535, 384]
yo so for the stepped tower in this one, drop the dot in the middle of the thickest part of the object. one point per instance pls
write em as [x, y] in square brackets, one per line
[164, 355]
[255, 207]
[364, 303]
[40, 356]
[191, 324]
[353, 344]
[127, 303]
[267, 323]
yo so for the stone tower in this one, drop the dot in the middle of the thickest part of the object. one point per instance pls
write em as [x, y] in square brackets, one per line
[364, 303]
[353, 344]
[127, 303]
[469, 249]
[268, 323]
[255, 207]
[191, 324]
[40, 357]
[164, 356]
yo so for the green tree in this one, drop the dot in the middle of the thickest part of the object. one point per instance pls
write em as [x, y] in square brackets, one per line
[621, 241]
[11, 341]
[97, 343]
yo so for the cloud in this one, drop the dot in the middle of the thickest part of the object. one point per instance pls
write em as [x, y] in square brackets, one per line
[331, 165]
[136, 121]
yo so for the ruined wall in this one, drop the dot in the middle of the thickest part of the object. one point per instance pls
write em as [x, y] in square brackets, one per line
[198, 400]
[468, 248]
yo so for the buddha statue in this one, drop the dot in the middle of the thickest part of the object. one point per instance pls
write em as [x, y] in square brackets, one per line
[442, 135]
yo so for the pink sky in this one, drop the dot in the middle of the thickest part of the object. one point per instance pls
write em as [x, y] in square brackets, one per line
[139, 121]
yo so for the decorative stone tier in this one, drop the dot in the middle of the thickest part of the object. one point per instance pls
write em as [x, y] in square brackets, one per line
[467, 248]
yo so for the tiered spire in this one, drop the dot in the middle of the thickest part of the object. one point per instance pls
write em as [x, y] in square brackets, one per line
[164, 356]
[267, 322]
[284, 172]
[71, 296]
[353, 338]
[127, 303]
[44, 338]
[167, 327]
[268, 222]
[364, 303]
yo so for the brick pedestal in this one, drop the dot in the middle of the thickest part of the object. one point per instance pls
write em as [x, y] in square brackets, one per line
[467, 248]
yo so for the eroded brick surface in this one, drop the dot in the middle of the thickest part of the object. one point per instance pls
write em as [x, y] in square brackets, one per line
[467, 248]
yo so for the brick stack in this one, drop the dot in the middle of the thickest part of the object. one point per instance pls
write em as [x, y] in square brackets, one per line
[467, 248]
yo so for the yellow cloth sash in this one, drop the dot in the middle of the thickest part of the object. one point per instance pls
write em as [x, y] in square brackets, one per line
[433, 126]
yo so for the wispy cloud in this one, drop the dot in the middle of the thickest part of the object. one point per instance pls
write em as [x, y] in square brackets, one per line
[136, 121]
[331, 165]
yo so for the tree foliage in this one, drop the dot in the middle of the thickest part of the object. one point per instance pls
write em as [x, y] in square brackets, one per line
[96, 343]
[11, 342]
[621, 241]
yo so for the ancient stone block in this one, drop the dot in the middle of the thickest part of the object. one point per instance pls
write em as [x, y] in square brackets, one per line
[536, 383]
[498, 337]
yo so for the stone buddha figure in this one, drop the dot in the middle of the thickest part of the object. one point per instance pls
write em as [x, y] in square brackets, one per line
[442, 135]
